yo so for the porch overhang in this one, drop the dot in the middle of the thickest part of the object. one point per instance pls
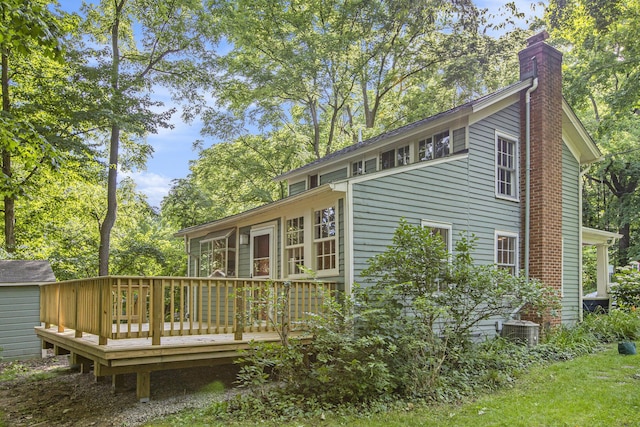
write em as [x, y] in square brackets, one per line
[602, 240]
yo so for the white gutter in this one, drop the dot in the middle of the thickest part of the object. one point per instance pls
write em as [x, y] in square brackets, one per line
[527, 137]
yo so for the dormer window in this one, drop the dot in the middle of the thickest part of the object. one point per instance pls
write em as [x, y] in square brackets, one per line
[404, 157]
[396, 157]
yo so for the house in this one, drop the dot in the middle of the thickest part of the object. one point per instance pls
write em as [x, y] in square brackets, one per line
[505, 167]
[20, 307]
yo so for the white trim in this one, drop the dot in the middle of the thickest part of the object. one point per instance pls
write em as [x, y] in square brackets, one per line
[516, 160]
[336, 238]
[348, 240]
[502, 233]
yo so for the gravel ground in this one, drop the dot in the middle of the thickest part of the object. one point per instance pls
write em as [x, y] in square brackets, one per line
[47, 392]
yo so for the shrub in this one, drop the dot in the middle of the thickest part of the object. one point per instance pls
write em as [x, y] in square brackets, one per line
[626, 293]
[617, 325]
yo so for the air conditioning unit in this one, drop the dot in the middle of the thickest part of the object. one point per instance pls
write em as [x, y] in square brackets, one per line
[521, 331]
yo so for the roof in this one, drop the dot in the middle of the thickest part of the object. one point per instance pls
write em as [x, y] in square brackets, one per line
[469, 107]
[23, 272]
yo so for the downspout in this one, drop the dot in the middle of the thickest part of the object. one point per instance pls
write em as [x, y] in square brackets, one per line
[527, 179]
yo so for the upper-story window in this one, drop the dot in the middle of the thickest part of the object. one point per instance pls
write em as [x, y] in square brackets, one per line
[313, 181]
[434, 147]
[357, 168]
[387, 159]
[395, 157]
[403, 156]
[506, 167]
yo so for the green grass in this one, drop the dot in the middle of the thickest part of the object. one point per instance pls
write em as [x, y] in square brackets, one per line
[596, 390]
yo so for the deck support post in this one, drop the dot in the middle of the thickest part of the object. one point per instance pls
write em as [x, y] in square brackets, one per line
[158, 312]
[143, 386]
[237, 334]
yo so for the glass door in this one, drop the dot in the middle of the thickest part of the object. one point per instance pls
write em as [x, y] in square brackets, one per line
[261, 253]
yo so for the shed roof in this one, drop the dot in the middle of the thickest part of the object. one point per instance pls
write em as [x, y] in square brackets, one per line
[18, 271]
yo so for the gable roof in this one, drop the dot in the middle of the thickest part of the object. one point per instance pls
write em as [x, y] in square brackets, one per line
[23, 272]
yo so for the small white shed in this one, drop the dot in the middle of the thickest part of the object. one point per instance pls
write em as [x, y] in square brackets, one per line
[20, 307]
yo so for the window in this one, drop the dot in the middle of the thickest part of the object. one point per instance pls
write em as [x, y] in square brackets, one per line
[217, 255]
[506, 168]
[324, 239]
[295, 245]
[357, 168]
[387, 159]
[507, 251]
[444, 231]
[404, 157]
[434, 147]
[313, 181]
[425, 149]
[441, 229]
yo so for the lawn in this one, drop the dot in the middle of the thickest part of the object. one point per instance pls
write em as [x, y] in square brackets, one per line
[596, 390]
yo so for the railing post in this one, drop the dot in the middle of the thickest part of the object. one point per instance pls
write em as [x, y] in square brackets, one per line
[239, 312]
[157, 321]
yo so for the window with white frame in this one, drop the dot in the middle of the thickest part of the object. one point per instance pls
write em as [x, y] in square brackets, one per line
[324, 239]
[506, 167]
[217, 255]
[507, 251]
[387, 159]
[434, 147]
[443, 230]
[440, 229]
[403, 155]
[294, 245]
[357, 168]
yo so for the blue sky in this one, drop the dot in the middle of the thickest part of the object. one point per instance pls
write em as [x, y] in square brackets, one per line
[173, 147]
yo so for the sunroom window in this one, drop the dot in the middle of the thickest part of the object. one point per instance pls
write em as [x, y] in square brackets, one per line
[324, 239]
[217, 254]
[295, 245]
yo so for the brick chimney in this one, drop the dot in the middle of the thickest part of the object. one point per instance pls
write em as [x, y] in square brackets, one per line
[540, 60]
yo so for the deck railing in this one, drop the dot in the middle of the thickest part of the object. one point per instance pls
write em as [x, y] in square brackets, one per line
[115, 307]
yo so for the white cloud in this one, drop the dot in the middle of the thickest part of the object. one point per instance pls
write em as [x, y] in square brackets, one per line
[155, 186]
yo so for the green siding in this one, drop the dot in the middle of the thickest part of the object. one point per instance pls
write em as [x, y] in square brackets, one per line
[297, 188]
[19, 314]
[570, 236]
[459, 192]
[333, 176]
[244, 256]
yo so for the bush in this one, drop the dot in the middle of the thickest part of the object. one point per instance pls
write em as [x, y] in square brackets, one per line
[617, 325]
[626, 292]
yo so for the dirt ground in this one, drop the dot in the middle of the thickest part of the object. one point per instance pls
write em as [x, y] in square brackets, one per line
[47, 392]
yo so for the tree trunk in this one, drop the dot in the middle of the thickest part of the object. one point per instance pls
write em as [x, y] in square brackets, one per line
[112, 203]
[9, 200]
[114, 145]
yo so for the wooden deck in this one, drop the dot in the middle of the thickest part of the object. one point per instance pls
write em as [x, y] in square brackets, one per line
[123, 325]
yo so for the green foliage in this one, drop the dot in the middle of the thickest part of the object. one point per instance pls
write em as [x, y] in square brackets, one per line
[617, 325]
[626, 291]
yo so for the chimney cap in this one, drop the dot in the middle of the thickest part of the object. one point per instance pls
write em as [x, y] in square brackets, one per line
[538, 38]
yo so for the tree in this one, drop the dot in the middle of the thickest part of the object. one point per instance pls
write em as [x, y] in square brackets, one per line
[326, 70]
[601, 75]
[133, 45]
[29, 36]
